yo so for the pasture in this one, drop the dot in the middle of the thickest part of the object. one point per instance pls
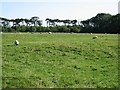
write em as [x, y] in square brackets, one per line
[59, 60]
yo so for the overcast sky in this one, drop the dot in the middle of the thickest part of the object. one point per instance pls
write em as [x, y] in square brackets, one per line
[61, 9]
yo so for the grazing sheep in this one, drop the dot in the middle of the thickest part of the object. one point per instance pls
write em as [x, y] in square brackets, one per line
[1, 32]
[94, 37]
[90, 33]
[49, 32]
[16, 42]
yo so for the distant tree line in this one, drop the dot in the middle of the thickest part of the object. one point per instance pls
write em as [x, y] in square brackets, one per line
[101, 23]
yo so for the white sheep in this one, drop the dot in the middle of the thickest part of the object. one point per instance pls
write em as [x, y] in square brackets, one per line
[90, 33]
[16, 42]
[50, 32]
[94, 37]
[1, 32]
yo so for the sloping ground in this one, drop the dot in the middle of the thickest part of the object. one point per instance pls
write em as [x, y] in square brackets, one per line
[60, 60]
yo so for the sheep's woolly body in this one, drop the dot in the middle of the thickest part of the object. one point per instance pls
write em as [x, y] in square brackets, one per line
[16, 42]
[50, 32]
[94, 37]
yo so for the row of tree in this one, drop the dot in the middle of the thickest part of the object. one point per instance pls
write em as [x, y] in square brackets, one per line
[34, 21]
[63, 28]
[101, 23]
[56, 22]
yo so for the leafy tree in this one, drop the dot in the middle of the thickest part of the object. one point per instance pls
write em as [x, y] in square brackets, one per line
[101, 23]
[39, 22]
[73, 22]
[96, 24]
[4, 22]
[66, 22]
[113, 26]
[28, 22]
[35, 20]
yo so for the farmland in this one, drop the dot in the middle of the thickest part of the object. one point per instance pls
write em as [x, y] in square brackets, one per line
[59, 60]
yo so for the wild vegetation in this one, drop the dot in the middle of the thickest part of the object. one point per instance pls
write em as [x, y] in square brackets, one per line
[101, 23]
[59, 60]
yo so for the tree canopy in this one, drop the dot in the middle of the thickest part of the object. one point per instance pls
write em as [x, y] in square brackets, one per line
[101, 23]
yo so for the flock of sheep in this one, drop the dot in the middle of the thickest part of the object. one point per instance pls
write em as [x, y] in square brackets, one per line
[17, 42]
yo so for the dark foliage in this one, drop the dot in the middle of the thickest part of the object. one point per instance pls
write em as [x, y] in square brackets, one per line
[101, 23]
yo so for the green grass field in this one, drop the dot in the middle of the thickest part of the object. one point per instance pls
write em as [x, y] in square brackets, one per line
[59, 60]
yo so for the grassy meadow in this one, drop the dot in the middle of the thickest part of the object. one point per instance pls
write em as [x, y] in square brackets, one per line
[59, 60]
